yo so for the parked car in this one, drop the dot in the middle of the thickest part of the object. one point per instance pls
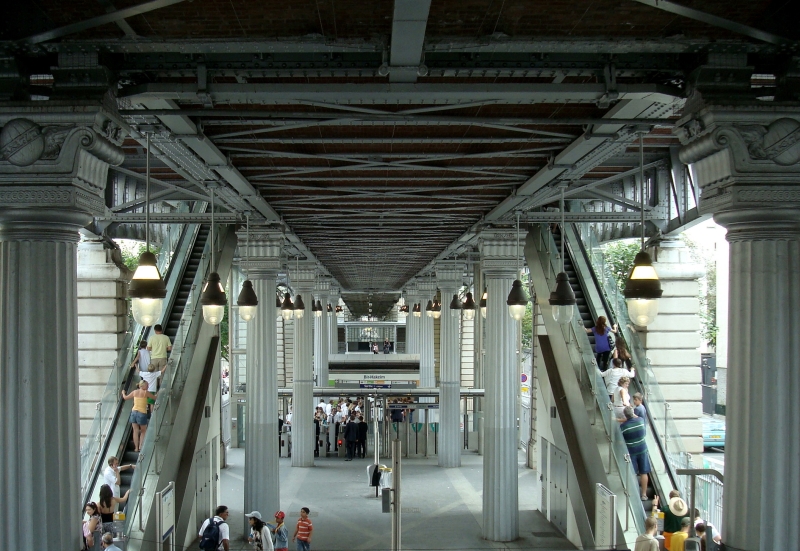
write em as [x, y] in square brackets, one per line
[713, 432]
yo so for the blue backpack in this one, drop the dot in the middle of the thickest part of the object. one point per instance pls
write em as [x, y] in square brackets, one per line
[210, 538]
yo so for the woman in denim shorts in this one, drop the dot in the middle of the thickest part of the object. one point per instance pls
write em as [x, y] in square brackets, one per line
[139, 413]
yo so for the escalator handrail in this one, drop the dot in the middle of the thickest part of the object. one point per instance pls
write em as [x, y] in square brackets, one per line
[611, 314]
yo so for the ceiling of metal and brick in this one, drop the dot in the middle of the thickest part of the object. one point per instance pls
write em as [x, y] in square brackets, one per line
[382, 136]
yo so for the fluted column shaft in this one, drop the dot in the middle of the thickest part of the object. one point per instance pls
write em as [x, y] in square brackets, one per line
[449, 382]
[427, 368]
[321, 346]
[762, 486]
[303, 434]
[500, 487]
[412, 327]
[333, 326]
[262, 444]
[39, 434]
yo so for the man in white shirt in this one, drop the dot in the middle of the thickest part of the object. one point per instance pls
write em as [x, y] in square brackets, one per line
[111, 474]
[322, 405]
[220, 516]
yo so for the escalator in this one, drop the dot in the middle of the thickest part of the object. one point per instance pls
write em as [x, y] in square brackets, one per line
[583, 419]
[180, 278]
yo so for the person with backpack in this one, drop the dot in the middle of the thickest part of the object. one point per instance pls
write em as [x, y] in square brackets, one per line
[215, 533]
[602, 344]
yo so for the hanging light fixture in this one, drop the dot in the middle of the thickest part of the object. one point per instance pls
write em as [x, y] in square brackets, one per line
[642, 288]
[287, 308]
[402, 311]
[417, 311]
[339, 309]
[455, 306]
[318, 309]
[330, 309]
[437, 309]
[247, 301]
[429, 309]
[469, 307]
[482, 304]
[213, 296]
[517, 300]
[563, 299]
[300, 307]
[147, 289]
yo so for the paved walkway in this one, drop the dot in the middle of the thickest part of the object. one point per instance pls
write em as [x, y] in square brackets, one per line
[441, 507]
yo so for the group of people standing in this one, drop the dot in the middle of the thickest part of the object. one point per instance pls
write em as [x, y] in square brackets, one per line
[264, 536]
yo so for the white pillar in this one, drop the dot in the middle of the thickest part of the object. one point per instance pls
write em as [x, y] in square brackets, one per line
[449, 276]
[412, 322]
[303, 434]
[500, 499]
[262, 444]
[333, 322]
[427, 370]
[762, 489]
[321, 346]
[42, 207]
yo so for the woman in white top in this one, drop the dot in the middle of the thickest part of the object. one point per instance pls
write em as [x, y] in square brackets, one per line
[622, 398]
[613, 375]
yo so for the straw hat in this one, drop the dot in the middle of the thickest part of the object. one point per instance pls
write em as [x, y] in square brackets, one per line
[678, 507]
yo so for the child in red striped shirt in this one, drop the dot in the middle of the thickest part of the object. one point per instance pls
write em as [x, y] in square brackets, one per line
[302, 533]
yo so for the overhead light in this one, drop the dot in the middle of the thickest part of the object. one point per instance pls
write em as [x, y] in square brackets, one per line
[429, 309]
[330, 309]
[339, 309]
[562, 299]
[455, 306]
[642, 288]
[213, 296]
[417, 310]
[469, 307]
[299, 307]
[146, 289]
[517, 300]
[213, 300]
[437, 309]
[247, 301]
[316, 307]
[287, 308]
[482, 303]
[402, 311]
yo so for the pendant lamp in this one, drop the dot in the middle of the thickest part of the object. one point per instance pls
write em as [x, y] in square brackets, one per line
[317, 309]
[247, 301]
[213, 296]
[563, 298]
[517, 301]
[455, 306]
[403, 311]
[417, 310]
[287, 308]
[469, 307]
[330, 309]
[299, 307]
[642, 288]
[429, 309]
[146, 289]
[437, 309]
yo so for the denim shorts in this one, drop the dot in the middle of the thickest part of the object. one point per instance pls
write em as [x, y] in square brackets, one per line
[641, 463]
[139, 418]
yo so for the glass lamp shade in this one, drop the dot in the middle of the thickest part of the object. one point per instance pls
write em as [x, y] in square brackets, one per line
[317, 309]
[417, 311]
[455, 306]
[247, 301]
[429, 309]
[339, 309]
[642, 291]
[402, 311]
[437, 310]
[563, 299]
[469, 307]
[287, 308]
[482, 303]
[517, 301]
[299, 307]
[147, 291]
[213, 300]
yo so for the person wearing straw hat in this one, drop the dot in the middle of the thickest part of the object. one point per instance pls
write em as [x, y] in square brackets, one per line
[674, 510]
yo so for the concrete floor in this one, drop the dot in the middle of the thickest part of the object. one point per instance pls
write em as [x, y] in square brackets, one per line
[441, 507]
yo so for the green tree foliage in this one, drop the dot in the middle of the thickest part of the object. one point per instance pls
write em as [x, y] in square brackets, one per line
[224, 338]
[619, 257]
[132, 250]
[708, 291]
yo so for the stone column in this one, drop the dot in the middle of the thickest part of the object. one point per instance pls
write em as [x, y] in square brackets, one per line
[746, 162]
[412, 322]
[449, 276]
[333, 322]
[303, 435]
[52, 180]
[321, 346]
[427, 369]
[500, 499]
[262, 444]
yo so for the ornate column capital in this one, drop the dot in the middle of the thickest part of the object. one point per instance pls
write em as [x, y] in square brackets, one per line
[743, 157]
[303, 276]
[322, 287]
[500, 252]
[450, 276]
[55, 158]
[263, 253]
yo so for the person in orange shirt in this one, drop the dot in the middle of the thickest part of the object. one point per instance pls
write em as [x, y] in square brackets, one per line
[303, 530]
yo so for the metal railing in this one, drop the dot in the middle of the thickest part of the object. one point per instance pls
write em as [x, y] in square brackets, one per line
[585, 366]
[92, 449]
[658, 408]
[154, 449]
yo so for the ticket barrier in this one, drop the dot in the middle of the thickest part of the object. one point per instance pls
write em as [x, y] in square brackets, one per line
[286, 442]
